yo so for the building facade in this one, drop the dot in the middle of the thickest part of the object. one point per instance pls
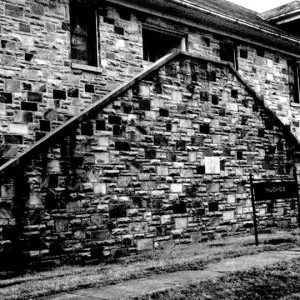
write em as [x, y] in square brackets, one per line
[128, 126]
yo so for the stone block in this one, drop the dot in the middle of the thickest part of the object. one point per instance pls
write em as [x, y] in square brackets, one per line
[145, 244]
[18, 128]
[12, 86]
[176, 188]
[181, 223]
[177, 96]
[100, 188]
[228, 215]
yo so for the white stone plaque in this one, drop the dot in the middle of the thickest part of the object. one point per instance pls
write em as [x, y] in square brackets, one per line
[212, 165]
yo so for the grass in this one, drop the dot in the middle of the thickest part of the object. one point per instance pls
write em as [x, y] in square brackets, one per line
[270, 283]
[171, 259]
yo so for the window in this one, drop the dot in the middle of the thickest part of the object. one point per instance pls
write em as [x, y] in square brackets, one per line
[228, 53]
[294, 82]
[157, 43]
[83, 33]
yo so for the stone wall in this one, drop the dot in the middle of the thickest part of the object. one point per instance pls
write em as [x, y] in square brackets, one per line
[167, 162]
[133, 177]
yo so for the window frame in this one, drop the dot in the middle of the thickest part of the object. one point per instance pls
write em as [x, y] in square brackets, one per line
[88, 65]
[235, 52]
[296, 68]
[181, 36]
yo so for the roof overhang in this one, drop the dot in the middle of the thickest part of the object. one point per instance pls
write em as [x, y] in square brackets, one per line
[188, 13]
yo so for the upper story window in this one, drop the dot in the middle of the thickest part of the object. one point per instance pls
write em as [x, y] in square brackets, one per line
[294, 82]
[83, 33]
[228, 53]
[157, 43]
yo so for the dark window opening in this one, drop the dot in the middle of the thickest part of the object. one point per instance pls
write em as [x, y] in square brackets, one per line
[156, 44]
[228, 53]
[83, 32]
[294, 82]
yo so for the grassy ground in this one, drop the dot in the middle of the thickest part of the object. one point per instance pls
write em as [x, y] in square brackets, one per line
[184, 257]
[270, 283]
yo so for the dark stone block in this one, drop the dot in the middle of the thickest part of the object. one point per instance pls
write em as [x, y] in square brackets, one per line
[243, 53]
[234, 94]
[119, 30]
[191, 191]
[39, 135]
[122, 146]
[115, 120]
[45, 125]
[150, 153]
[90, 88]
[13, 139]
[222, 165]
[26, 86]
[3, 44]
[34, 97]
[118, 211]
[163, 112]
[109, 20]
[215, 100]
[127, 108]
[211, 76]
[197, 141]
[180, 145]
[239, 154]
[244, 120]
[100, 125]
[261, 132]
[158, 87]
[31, 106]
[59, 94]
[24, 27]
[145, 104]
[213, 206]
[5, 97]
[87, 129]
[73, 92]
[117, 130]
[172, 156]
[169, 127]
[179, 207]
[205, 128]
[160, 140]
[141, 129]
[222, 112]
[204, 96]
[200, 212]
[200, 169]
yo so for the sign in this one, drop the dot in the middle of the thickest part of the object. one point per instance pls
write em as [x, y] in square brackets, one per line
[275, 190]
[212, 165]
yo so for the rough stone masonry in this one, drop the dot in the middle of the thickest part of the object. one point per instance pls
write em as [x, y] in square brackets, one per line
[166, 162]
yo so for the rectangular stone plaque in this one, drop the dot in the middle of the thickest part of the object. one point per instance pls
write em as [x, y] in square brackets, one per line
[212, 165]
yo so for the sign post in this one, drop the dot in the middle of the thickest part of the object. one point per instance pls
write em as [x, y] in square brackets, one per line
[271, 190]
[298, 200]
[254, 211]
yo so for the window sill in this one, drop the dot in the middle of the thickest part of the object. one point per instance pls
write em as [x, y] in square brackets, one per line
[85, 68]
[294, 104]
